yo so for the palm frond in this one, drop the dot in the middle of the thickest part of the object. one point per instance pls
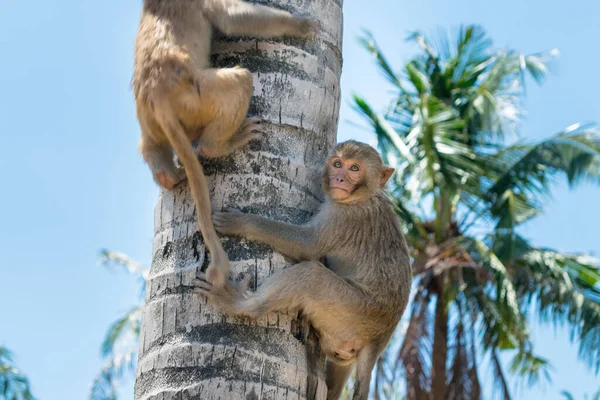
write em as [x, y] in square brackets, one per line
[530, 367]
[561, 286]
[473, 54]
[567, 395]
[506, 296]
[384, 131]
[500, 382]
[424, 44]
[417, 78]
[442, 159]
[14, 385]
[104, 385]
[528, 169]
[110, 259]
[412, 224]
[114, 259]
[513, 208]
[119, 347]
[368, 42]
[125, 327]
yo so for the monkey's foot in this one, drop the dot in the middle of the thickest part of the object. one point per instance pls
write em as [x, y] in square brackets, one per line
[227, 297]
[169, 180]
[251, 129]
[229, 222]
[251, 124]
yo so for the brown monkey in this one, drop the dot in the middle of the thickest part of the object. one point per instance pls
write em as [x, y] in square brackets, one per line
[356, 299]
[179, 98]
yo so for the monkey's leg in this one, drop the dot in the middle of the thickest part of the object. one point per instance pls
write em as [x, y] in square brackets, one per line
[324, 297]
[364, 366]
[235, 17]
[226, 93]
[336, 377]
[159, 158]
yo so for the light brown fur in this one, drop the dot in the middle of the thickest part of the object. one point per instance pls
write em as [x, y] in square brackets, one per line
[357, 297]
[179, 98]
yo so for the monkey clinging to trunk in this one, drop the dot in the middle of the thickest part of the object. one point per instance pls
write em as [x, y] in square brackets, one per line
[180, 98]
[356, 299]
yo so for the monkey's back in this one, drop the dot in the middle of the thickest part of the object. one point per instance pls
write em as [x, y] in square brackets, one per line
[172, 44]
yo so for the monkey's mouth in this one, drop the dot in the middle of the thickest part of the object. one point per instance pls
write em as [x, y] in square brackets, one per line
[339, 194]
[340, 188]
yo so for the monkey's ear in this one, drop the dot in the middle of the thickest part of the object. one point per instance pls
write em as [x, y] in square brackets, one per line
[386, 173]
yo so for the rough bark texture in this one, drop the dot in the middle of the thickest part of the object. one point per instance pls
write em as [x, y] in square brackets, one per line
[440, 343]
[187, 349]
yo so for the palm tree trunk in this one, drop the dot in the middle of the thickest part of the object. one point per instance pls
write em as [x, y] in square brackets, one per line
[187, 349]
[440, 343]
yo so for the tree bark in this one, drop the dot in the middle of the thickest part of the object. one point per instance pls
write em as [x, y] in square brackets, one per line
[440, 342]
[188, 350]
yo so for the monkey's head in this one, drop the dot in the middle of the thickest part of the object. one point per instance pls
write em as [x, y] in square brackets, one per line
[354, 172]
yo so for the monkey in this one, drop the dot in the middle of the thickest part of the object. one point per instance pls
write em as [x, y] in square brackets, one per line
[356, 297]
[180, 98]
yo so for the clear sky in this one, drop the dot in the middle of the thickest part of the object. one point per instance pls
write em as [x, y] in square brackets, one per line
[75, 182]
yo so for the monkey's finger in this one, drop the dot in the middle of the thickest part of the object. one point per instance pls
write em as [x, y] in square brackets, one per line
[201, 292]
[256, 127]
[200, 284]
[202, 275]
[219, 219]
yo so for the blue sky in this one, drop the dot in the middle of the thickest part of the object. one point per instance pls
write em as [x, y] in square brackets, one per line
[74, 182]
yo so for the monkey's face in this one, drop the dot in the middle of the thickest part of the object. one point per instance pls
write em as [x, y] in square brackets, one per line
[345, 176]
[354, 172]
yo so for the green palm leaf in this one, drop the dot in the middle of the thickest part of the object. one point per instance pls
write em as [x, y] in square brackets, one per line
[575, 152]
[369, 43]
[14, 384]
[564, 287]
[120, 344]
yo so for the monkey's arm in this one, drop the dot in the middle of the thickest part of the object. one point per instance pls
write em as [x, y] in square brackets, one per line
[237, 18]
[296, 241]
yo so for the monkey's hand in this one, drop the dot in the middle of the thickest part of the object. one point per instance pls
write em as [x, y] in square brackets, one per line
[228, 297]
[230, 222]
[306, 27]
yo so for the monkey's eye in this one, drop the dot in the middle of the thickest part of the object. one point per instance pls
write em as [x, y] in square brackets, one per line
[355, 168]
[337, 164]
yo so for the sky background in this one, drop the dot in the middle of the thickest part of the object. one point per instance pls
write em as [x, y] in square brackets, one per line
[74, 182]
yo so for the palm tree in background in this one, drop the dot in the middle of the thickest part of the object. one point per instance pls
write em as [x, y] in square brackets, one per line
[463, 192]
[567, 395]
[120, 346]
[14, 385]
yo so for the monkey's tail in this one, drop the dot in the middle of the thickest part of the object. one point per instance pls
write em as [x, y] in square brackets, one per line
[175, 132]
